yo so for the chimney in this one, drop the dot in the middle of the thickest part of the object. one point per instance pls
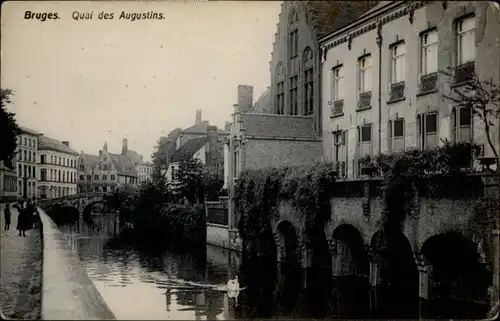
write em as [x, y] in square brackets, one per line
[65, 143]
[124, 146]
[245, 98]
[198, 117]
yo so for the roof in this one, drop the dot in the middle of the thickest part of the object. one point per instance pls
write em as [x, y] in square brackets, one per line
[279, 126]
[189, 148]
[134, 156]
[25, 130]
[47, 143]
[123, 165]
[202, 128]
[89, 161]
[328, 16]
[263, 104]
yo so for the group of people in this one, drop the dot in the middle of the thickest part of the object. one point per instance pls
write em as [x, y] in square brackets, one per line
[27, 219]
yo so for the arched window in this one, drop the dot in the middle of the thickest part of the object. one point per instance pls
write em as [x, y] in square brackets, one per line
[293, 62]
[280, 89]
[308, 61]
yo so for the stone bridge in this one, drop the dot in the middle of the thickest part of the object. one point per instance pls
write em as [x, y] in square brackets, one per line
[82, 202]
[445, 248]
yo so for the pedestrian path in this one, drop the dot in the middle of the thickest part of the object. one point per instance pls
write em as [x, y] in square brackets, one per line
[20, 271]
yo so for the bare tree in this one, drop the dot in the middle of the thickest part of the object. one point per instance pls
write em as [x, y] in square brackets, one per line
[483, 99]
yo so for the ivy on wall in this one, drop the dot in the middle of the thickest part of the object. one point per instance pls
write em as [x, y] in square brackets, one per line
[258, 193]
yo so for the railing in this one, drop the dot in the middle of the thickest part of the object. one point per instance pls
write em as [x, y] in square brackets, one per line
[217, 212]
[365, 100]
[397, 91]
[464, 72]
[428, 82]
[338, 107]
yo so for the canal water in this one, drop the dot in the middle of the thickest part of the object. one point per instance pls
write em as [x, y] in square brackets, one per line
[153, 285]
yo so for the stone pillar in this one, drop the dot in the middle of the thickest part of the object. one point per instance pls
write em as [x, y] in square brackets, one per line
[278, 239]
[424, 273]
[373, 277]
[226, 164]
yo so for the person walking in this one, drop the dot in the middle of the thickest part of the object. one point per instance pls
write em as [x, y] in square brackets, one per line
[7, 215]
[23, 220]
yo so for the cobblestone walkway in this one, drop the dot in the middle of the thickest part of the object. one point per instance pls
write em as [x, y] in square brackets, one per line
[20, 273]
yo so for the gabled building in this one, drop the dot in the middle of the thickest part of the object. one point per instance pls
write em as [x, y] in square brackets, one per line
[106, 173]
[26, 163]
[144, 169]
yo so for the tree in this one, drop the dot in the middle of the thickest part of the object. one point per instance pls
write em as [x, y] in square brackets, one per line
[162, 154]
[9, 130]
[189, 179]
[214, 181]
[482, 97]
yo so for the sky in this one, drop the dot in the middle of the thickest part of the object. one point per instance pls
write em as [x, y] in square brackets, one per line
[92, 81]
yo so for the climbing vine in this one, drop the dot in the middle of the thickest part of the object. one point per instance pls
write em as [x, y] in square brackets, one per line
[425, 171]
[259, 191]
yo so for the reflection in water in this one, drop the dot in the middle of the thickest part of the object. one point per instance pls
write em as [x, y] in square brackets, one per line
[149, 284]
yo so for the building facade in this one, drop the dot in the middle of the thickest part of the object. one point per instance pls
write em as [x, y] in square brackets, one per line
[26, 163]
[295, 63]
[383, 89]
[105, 172]
[57, 168]
[144, 169]
[8, 184]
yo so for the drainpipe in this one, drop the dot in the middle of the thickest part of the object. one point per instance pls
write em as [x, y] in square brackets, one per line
[379, 44]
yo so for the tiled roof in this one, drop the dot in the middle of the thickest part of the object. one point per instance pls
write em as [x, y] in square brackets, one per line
[26, 130]
[328, 16]
[189, 148]
[134, 156]
[123, 165]
[263, 104]
[89, 161]
[202, 129]
[47, 143]
[284, 126]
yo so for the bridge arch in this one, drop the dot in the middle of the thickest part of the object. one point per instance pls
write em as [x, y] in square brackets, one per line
[395, 275]
[350, 271]
[287, 239]
[458, 279]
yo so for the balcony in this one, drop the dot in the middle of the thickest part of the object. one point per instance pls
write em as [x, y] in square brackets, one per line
[365, 100]
[428, 83]
[338, 108]
[464, 72]
[397, 92]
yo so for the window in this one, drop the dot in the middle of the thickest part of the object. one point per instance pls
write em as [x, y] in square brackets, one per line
[19, 170]
[25, 155]
[25, 141]
[338, 84]
[398, 63]
[104, 177]
[96, 177]
[64, 176]
[429, 53]
[427, 125]
[462, 124]
[29, 142]
[112, 177]
[396, 134]
[365, 74]
[51, 159]
[59, 161]
[42, 159]
[43, 174]
[82, 177]
[89, 178]
[308, 81]
[365, 139]
[280, 99]
[339, 152]
[466, 40]
[293, 95]
[26, 173]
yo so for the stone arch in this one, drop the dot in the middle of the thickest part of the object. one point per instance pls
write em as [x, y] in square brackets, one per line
[351, 272]
[394, 275]
[458, 278]
[287, 239]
